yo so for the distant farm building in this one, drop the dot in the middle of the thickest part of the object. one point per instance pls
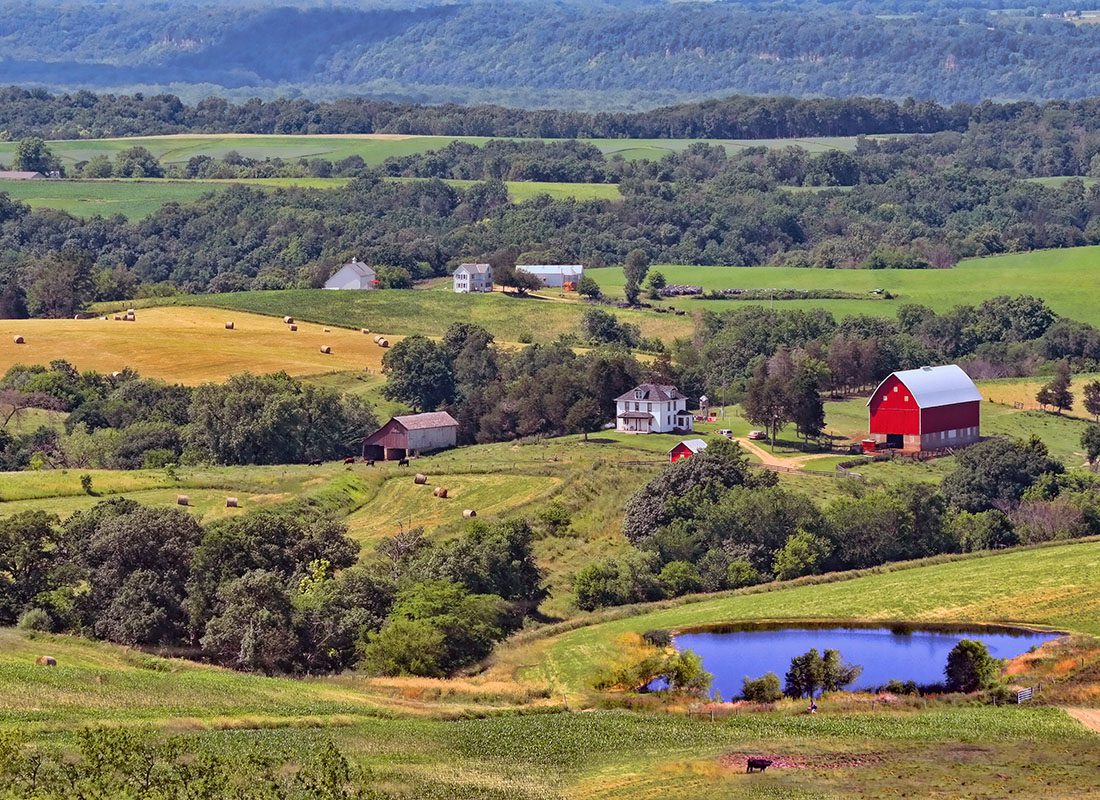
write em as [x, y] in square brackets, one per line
[20, 175]
[554, 275]
[653, 408]
[411, 435]
[686, 449]
[473, 278]
[930, 408]
[353, 275]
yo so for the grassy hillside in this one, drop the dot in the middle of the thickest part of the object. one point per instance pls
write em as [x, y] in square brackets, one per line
[1053, 586]
[1055, 275]
[373, 148]
[136, 199]
[429, 312]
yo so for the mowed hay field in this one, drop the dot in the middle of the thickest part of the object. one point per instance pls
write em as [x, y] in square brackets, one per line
[429, 311]
[1061, 277]
[189, 345]
[373, 148]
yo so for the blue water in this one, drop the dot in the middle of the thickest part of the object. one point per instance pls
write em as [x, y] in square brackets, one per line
[884, 654]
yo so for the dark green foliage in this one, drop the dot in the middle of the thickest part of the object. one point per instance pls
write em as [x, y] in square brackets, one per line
[586, 288]
[765, 689]
[419, 373]
[1056, 393]
[970, 668]
[813, 672]
[252, 624]
[631, 578]
[985, 530]
[1090, 441]
[680, 577]
[635, 268]
[995, 471]
[803, 554]
[34, 155]
[274, 419]
[602, 327]
[30, 554]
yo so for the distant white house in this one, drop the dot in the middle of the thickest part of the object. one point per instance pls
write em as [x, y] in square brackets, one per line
[353, 275]
[554, 275]
[653, 408]
[473, 278]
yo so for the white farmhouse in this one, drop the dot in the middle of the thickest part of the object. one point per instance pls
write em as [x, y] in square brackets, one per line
[653, 408]
[353, 275]
[473, 278]
[554, 275]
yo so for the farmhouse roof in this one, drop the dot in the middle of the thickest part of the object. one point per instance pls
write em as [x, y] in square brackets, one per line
[431, 419]
[936, 386]
[19, 175]
[474, 269]
[635, 415]
[694, 445]
[654, 392]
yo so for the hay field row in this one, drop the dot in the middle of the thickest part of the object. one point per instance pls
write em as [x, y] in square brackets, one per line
[1058, 276]
[374, 149]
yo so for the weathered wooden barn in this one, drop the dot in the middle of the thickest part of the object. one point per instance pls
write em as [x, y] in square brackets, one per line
[930, 408]
[411, 435]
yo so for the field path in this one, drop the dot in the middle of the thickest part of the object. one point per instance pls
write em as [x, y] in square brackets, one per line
[1089, 717]
[772, 460]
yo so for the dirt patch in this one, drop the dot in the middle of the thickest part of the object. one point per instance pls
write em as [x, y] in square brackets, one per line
[739, 761]
[1089, 717]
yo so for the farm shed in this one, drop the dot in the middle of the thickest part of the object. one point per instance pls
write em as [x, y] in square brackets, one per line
[686, 449]
[411, 435]
[929, 408]
[353, 275]
[554, 275]
[473, 278]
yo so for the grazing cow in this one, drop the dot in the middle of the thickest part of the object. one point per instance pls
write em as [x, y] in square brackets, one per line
[758, 764]
[349, 460]
[315, 462]
[403, 462]
[370, 463]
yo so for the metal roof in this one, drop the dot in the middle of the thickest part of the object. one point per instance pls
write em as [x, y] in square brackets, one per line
[694, 445]
[552, 269]
[657, 392]
[431, 419]
[936, 386]
[474, 269]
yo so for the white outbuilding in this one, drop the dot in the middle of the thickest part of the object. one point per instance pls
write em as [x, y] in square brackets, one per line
[353, 275]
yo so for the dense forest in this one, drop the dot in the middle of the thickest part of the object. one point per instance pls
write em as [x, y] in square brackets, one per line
[570, 54]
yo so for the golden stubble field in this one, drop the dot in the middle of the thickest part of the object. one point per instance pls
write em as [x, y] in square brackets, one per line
[189, 345]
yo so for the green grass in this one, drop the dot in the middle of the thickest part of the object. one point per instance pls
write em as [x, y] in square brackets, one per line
[1057, 276]
[135, 199]
[1054, 586]
[429, 312]
[375, 149]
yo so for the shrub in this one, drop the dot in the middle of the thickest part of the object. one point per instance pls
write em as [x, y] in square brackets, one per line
[86, 483]
[970, 667]
[36, 619]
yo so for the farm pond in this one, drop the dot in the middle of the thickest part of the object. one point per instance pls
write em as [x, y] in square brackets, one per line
[901, 652]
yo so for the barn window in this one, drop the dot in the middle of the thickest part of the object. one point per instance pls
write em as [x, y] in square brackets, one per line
[884, 397]
[895, 388]
[905, 399]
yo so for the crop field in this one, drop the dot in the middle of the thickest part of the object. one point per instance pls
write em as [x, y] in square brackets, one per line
[190, 345]
[373, 148]
[1055, 275]
[428, 312]
[1021, 392]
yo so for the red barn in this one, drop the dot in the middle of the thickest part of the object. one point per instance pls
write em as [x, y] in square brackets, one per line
[686, 449]
[926, 409]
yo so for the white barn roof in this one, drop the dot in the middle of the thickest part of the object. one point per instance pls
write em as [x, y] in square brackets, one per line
[936, 386]
[694, 445]
[552, 269]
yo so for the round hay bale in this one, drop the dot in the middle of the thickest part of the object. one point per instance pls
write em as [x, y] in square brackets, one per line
[130, 310]
[117, 318]
[440, 492]
[116, 375]
[46, 661]
[383, 343]
[469, 513]
[182, 500]
[130, 317]
[326, 349]
[328, 330]
[231, 502]
[293, 327]
[420, 479]
[229, 326]
[364, 330]
[377, 339]
[18, 340]
[288, 320]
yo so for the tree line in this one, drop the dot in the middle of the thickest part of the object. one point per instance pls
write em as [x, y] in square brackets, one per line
[273, 591]
[710, 522]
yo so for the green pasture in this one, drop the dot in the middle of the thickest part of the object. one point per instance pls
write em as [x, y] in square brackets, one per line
[374, 149]
[135, 199]
[1052, 586]
[429, 312]
[1061, 277]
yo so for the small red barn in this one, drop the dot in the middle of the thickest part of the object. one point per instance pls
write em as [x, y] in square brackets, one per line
[685, 449]
[925, 409]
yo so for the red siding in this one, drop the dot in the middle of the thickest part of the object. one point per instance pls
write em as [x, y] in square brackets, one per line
[893, 410]
[391, 435]
[678, 452]
[949, 418]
